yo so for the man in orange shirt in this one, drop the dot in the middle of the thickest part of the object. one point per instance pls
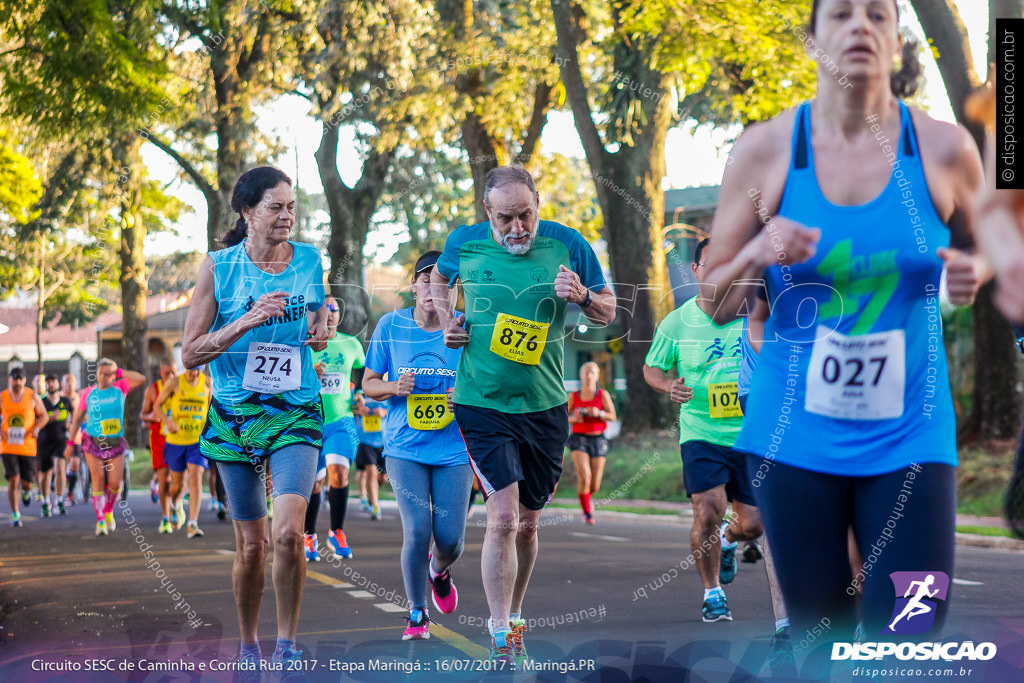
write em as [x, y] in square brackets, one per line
[21, 416]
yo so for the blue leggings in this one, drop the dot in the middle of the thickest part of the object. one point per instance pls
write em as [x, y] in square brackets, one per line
[807, 516]
[292, 470]
[431, 500]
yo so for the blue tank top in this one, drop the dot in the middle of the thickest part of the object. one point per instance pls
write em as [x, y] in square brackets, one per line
[748, 362]
[268, 348]
[104, 412]
[852, 377]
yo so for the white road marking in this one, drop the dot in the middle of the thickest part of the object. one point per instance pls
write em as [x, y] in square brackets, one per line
[598, 536]
[389, 607]
[361, 594]
[965, 582]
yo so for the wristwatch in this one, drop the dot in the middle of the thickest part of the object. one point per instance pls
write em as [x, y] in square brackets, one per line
[587, 301]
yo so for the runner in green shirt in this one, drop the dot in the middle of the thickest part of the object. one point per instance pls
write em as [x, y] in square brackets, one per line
[697, 363]
[334, 365]
[518, 276]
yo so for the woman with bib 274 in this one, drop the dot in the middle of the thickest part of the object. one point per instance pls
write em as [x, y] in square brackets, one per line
[257, 312]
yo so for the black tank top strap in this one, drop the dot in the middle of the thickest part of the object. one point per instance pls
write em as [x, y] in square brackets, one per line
[802, 141]
[909, 135]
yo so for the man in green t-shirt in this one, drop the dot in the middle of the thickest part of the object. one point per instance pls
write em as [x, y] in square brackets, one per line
[696, 363]
[334, 365]
[518, 275]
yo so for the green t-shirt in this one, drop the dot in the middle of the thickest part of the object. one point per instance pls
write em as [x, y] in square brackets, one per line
[343, 353]
[707, 357]
[516, 323]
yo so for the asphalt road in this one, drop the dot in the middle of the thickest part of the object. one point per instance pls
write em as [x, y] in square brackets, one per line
[603, 599]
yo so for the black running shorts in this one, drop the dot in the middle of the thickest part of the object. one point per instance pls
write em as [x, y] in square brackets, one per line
[505, 448]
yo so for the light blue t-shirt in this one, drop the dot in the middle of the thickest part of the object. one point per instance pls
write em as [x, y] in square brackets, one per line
[238, 283]
[399, 346]
[375, 439]
[104, 409]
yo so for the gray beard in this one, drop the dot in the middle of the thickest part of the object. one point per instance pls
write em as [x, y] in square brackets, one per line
[516, 249]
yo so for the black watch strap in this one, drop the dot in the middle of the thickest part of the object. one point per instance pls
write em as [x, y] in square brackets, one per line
[587, 301]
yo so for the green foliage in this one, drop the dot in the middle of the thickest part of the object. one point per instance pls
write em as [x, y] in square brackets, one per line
[173, 273]
[79, 67]
[567, 194]
[730, 61]
[20, 188]
[427, 194]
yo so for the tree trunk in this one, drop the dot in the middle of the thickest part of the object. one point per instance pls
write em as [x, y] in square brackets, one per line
[40, 303]
[632, 202]
[996, 405]
[483, 156]
[134, 336]
[233, 133]
[351, 211]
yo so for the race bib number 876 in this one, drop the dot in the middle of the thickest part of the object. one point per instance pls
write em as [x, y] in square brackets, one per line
[518, 339]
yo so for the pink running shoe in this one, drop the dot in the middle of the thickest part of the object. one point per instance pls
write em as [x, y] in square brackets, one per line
[418, 631]
[446, 598]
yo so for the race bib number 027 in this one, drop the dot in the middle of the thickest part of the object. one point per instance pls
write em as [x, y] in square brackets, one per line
[428, 411]
[272, 368]
[518, 339]
[860, 377]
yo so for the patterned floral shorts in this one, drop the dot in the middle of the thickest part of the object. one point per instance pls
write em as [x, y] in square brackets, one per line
[260, 425]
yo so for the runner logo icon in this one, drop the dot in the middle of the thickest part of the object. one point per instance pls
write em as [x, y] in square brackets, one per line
[917, 598]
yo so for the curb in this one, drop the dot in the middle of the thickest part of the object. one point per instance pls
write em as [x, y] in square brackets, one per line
[979, 541]
[686, 515]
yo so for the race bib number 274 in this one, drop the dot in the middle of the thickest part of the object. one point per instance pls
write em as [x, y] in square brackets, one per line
[272, 368]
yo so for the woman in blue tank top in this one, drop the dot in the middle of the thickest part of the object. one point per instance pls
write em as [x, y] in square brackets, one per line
[257, 311]
[849, 207]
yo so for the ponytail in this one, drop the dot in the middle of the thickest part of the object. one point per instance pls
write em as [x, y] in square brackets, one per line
[236, 234]
[907, 79]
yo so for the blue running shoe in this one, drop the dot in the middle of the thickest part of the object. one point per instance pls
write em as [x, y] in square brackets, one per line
[715, 608]
[288, 663]
[727, 569]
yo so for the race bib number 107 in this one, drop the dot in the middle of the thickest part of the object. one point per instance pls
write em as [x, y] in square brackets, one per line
[272, 368]
[859, 377]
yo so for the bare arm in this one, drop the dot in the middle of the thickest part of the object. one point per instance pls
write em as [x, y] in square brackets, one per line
[607, 406]
[748, 235]
[455, 333]
[574, 417]
[377, 389]
[147, 406]
[439, 292]
[601, 309]
[41, 415]
[966, 271]
[675, 387]
[135, 379]
[319, 333]
[76, 422]
[158, 404]
[199, 345]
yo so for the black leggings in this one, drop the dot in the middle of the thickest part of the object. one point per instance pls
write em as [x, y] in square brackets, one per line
[807, 516]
